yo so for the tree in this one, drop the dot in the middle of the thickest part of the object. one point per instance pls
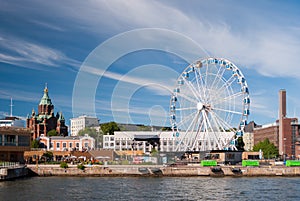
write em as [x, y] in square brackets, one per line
[110, 128]
[269, 149]
[53, 132]
[92, 132]
[48, 155]
[35, 143]
[240, 144]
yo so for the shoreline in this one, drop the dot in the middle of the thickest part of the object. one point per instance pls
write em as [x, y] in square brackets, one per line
[161, 171]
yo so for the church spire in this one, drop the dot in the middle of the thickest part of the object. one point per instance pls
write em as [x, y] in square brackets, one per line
[45, 99]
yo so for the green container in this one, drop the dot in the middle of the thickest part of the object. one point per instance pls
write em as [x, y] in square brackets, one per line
[290, 163]
[250, 163]
[209, 163]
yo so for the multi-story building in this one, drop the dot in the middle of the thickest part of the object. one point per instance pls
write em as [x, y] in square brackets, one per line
[68, 143]
[13, 142]
[144, 141]
[248, 137]
[284, 133]
[82, 122]
[45, 120]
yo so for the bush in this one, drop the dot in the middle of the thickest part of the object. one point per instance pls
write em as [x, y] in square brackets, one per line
[81, 166]
[63, 165]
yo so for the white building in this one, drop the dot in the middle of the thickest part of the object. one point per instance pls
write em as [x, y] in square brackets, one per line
[139, 140]
[164, 141]
[12, 122]
[82, 122]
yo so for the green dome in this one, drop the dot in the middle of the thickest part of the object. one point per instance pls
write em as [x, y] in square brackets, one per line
[45, 99]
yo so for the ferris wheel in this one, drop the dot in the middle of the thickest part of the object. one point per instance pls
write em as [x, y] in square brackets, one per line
[209, 106]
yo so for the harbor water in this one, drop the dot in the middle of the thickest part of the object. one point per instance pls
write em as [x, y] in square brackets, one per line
[150, 188]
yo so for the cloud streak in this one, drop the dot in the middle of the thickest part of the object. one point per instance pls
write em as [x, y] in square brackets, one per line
[31, 55]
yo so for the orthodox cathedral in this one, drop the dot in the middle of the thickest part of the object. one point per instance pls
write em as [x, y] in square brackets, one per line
[45, 120]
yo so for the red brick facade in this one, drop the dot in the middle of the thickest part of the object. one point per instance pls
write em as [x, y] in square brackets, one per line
[45, 120]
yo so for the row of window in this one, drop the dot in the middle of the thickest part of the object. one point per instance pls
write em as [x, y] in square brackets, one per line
[13, 140]
[64, 145]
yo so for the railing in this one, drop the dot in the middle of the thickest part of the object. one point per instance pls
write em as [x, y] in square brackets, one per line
[9, 164]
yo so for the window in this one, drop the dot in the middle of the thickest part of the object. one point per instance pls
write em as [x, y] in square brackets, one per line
[106, 144]
[23, 140]
[57, 145]
[10, 140]
[64, 145]
[77, 144]
[70, 145]
[86, 144]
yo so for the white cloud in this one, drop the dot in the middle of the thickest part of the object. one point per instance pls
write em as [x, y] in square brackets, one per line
[269, 51]
[31, 55]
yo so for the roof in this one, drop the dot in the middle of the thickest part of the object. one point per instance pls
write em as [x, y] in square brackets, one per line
[45, 99]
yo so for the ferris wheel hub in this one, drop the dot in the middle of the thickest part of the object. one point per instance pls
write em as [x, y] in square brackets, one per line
[200, 106]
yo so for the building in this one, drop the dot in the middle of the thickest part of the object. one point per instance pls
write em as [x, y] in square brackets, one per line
[284, 133]
[12, 122]
[13, 142]
[248, 137]
[270, 131]
[68, 143]
[144, 141]
[45, 120]
[82, 122]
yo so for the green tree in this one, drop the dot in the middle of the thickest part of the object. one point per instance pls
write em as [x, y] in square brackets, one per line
[53, 132]
[110, 128]
[268, 148]
[240, 144]
[92, 132]
[48, 155]
[35, 143]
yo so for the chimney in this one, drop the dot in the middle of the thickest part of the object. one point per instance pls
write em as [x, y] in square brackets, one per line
[282, 115]
[282, 103]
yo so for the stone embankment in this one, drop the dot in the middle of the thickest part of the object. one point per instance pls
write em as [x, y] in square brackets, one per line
[176, 171]
[13, 172]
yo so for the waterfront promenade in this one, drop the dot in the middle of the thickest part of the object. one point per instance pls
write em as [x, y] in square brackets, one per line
[159, 170]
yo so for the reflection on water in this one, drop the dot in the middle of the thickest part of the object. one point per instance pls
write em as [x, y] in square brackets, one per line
[151, 188]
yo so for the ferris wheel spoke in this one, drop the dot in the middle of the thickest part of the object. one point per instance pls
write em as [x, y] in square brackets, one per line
[230, 111]
[213, 131]
[200, 88]
[219, 126]
[186, 118]
[228, 98]
[193, 90]
[187, 98]
[186, 108]
[227, 83]
[223, 123]
[218, 78]
[187, 131]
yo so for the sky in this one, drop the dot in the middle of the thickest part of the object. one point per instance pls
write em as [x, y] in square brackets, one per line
[119, 60]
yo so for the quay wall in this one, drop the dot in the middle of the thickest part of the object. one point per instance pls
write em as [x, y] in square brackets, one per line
[8, 173]
[139, 170]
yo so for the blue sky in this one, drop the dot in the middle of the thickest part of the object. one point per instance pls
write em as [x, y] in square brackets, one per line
[54, 41]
